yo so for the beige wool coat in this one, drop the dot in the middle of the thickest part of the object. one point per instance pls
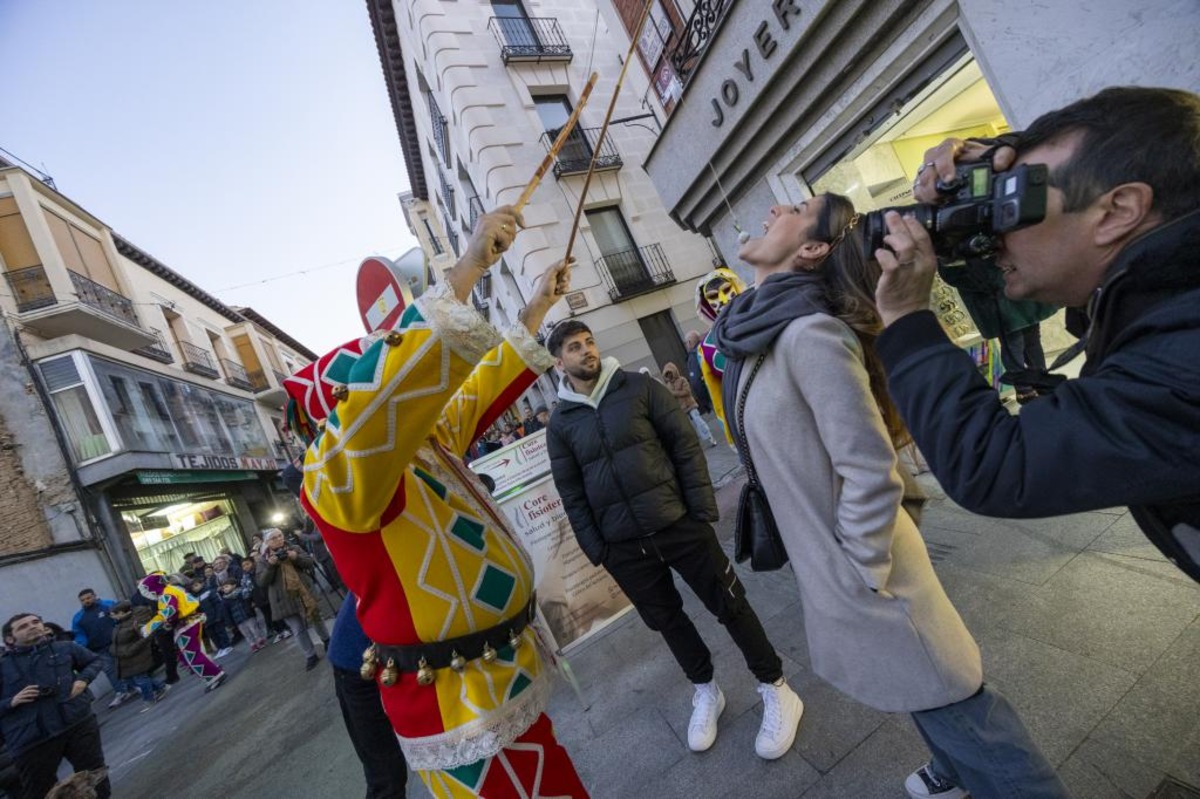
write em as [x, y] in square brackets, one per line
[880, 627]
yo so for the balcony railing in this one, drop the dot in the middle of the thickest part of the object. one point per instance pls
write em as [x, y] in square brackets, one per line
[236, 375]
[197, 360]
[279, 376]
[474, 211]
[576, 152]
[629, 273]
[103, 299]
[447, 195]
[700, 28]
[31, 288]
[159, 350]
[481, 295]
[438, 120]
[453, 237]
[530, 39]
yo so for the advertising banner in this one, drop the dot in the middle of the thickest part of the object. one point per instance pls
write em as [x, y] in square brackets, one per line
[575, 598]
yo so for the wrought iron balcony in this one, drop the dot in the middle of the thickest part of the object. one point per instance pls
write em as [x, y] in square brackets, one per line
[701, 26]
[31, 288]
[159, 350]
[453, 237]
[447, 195]
[236, 375]
[258, 380]
[576, 152]
[440, 136]
[629, 273]
[197, 360]
[103, 299]
[481, 294]
[474, 211]
[279, 376]
[530, 39]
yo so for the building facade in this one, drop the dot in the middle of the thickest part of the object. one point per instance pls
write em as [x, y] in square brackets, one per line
[480, 90]
[781, 100]
[140, 417]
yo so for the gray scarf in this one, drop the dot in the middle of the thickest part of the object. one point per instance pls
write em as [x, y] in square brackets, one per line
[750, 324]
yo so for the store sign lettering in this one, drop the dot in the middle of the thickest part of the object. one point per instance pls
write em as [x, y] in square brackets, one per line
[766, 44]
[226, 462]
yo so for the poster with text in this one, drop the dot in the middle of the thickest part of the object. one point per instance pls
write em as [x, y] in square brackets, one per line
[516, 464]
[575, 598]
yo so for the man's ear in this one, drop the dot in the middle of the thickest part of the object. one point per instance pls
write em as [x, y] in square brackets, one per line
[1124, 210]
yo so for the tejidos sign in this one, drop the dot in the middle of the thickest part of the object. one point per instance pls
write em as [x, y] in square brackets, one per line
[226, 462]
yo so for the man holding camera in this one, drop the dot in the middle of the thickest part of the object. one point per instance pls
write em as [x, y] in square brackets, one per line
[45, 706]
[1120, 236]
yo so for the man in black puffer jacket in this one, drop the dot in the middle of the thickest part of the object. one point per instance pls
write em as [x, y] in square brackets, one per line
[635, 485]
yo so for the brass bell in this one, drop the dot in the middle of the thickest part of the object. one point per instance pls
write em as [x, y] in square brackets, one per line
[339, 393]
[370, 664]
[393, 339]
[514, 639]
[390, 673]
[457, 661]
[489, 653]
[425, 674]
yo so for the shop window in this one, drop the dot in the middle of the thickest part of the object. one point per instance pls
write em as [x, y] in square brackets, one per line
[163, 532]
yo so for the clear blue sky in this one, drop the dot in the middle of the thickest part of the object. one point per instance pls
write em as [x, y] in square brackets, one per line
[234, 141]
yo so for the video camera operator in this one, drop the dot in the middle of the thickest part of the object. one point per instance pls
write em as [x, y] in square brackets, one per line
[1121, 236]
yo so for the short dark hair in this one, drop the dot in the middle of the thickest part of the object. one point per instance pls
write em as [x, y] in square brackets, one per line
[1128, 134]
[124, 606]
[568, 327]
[6, 632]
[229, 581]
[85, 591]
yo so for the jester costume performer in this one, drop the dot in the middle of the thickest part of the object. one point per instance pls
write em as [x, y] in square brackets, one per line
[444, 589]
[179, 612]
[713, 292]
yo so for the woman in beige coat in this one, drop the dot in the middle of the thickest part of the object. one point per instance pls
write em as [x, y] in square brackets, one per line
[678, 385]
[822, 432]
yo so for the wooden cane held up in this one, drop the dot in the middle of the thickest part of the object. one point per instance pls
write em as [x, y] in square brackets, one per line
[563, 134]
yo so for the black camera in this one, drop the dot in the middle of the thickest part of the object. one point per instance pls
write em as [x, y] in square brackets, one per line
[47, 691]
[982, 205]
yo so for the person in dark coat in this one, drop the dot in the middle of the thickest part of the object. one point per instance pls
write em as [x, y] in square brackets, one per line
[134, 654]
[45, 705]
[695, 377]
[235, 596]
[1121, 235]
[635, 485]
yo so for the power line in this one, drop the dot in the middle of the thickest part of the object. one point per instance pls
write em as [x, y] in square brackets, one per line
[296, 272]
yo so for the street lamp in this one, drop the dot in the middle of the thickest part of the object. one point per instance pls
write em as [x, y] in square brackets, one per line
[277, 517]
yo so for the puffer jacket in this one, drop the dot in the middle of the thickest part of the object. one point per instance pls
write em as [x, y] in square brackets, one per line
[51, 664]
[678, 385]
[627, 463]
[1126, 432]
[133, 653]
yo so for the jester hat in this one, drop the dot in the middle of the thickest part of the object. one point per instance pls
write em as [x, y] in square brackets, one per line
[152, 585]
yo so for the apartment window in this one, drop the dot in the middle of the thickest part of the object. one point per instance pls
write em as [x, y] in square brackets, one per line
[74, 409]
[16, 246]
[554, 110]
[618, 251]
[434, 242]
[82, 252]
[514, 23]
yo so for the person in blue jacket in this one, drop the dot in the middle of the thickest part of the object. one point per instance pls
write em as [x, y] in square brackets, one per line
[93, 629]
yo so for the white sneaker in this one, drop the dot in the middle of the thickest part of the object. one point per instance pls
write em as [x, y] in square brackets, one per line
[708, 703]
[117, 700]
[924, 784]
[782, 710]
[222, 652]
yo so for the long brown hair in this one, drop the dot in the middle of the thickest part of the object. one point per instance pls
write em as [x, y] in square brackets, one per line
[850, 279]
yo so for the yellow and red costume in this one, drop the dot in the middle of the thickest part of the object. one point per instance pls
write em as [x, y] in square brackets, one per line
[424, 548]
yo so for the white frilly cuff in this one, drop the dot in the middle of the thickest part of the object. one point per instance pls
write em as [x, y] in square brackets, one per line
[535, 356]
[462, 327]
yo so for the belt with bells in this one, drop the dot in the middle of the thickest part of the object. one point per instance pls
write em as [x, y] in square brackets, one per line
[454, 653]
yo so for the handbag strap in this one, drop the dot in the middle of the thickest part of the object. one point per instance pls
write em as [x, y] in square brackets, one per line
[742, 439]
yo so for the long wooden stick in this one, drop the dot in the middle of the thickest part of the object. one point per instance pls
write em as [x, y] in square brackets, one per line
[558, 144]
[612, 104]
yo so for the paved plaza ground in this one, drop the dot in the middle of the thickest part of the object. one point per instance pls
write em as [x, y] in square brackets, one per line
[1092, 635]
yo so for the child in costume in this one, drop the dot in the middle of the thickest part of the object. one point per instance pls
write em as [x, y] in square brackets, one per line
[179, 613]
[444, 589]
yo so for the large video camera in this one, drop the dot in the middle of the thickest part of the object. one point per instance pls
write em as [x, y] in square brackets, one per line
[982, 205]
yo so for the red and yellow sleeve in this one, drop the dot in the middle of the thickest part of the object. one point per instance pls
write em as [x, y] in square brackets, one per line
[397, 392]
[495, 384]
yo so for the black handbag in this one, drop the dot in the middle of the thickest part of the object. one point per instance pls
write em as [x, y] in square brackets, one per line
[755, 536]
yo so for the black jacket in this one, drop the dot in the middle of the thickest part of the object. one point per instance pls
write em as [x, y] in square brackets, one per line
[1127, 432]
[629, 468]
[54, 665]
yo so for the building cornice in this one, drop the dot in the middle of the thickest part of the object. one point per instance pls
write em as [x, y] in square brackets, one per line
[159, 269]
[387, 39]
